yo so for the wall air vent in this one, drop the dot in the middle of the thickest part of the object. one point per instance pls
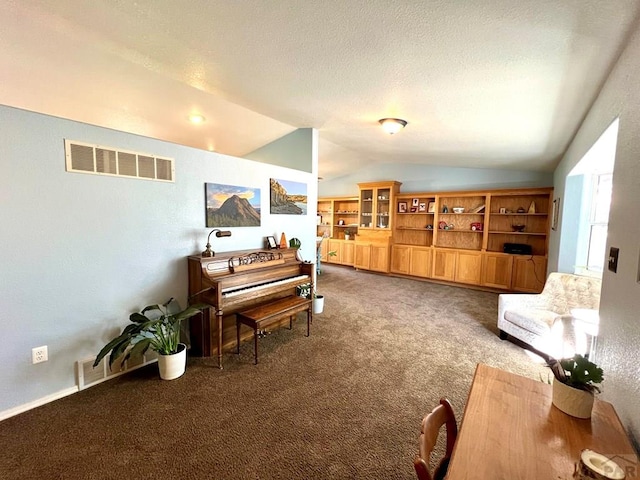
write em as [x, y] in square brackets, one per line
[88, 376]
[100, 160]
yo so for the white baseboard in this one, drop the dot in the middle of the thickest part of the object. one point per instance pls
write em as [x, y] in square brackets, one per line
[37, 403]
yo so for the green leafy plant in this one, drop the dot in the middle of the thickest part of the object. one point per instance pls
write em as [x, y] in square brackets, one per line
[156, 327]
[578, 372]
[305, 291]
[347, 231]
[294, 243]
[332, 253]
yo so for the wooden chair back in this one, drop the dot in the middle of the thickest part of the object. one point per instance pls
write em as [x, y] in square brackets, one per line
[429, 432]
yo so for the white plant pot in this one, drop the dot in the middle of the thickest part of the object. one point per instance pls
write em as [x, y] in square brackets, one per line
[173, 366]
[346, 237]
[318, 304]
[574, 402]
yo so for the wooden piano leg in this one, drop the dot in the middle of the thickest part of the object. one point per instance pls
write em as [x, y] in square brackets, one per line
[219, 317]
[255, 343]
[237, 336]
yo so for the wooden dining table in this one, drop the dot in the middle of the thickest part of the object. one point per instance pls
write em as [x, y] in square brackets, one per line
[510, 430]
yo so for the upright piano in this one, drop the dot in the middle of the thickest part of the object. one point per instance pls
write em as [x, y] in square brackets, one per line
[233, 281]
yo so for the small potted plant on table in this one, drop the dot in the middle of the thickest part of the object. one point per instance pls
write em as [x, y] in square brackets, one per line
[157, 328]
[575, 385]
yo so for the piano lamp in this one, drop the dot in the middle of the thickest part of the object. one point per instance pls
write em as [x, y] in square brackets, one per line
[219, 233]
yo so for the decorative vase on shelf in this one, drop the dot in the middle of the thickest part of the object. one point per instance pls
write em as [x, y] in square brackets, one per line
[346, 236]
[283, 241]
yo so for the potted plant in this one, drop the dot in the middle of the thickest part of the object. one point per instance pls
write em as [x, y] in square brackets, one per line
[575, 385]
[318, 300]
[347, 234]
[156, 327]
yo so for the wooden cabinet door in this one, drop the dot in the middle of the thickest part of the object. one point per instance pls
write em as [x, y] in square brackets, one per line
[529, 273]
[420, 264]
[400, 259]
[348, 252]
[335, 246]
[324, 250]
[444, 264]
[379, 258]
[362, 256]
[468, 267]
[496, 270]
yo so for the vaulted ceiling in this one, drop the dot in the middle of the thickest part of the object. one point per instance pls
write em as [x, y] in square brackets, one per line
[488, 83]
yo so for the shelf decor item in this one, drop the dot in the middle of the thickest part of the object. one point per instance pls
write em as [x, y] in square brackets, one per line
[518, 228]
[458, 209]
[402, 207]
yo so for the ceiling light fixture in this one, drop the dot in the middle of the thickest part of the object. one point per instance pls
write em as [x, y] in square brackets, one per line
[196, 118]
[392, 125]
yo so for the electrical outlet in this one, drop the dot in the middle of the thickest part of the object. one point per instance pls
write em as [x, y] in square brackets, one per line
[39, 354]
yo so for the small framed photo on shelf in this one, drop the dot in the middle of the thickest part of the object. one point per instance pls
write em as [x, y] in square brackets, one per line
[414, 209]
[415, 202]
[422, 207]
[432, 207]
[503, 210]
[271, 243]
[402, 207]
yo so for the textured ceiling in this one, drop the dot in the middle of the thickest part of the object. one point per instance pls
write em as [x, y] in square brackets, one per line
[482, 84]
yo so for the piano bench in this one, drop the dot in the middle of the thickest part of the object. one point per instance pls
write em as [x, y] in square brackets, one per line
[262, 316]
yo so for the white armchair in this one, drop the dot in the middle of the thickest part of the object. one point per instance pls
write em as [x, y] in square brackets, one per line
[541, 320]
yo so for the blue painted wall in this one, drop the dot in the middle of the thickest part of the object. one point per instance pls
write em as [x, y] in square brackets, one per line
[81, 252]
[421, 178]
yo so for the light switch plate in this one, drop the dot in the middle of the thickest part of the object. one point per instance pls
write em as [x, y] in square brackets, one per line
[613, 259]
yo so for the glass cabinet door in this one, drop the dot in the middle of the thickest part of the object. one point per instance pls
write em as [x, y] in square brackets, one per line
[383, 207]
[366, 208]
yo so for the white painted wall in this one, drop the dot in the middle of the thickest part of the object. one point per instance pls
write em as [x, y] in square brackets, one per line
[80, 252]
[425, 178]
[619, 340]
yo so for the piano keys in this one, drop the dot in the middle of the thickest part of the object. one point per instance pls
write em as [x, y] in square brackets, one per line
[233, 281]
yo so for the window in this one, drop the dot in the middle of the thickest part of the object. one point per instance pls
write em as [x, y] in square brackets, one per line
[598, 221]
[585, 208]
